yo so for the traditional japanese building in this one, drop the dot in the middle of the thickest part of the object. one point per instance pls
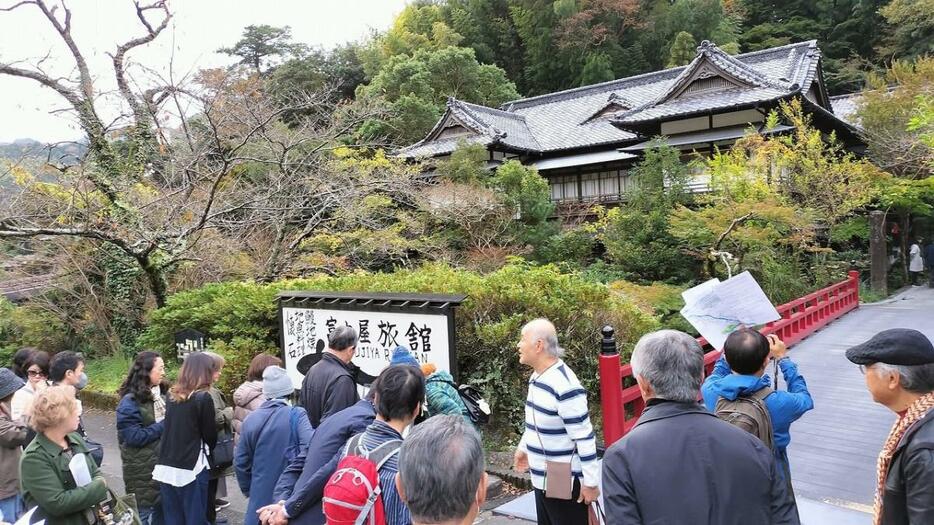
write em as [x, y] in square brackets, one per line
[584, 140]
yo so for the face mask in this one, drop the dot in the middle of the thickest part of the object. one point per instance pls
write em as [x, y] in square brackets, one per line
[82, 381]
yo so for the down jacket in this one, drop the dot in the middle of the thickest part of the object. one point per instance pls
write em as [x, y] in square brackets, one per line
[139, 436]
[247, 398]
[442, 397]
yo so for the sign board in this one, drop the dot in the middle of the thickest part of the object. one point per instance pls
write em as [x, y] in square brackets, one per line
[423, 323]
[188, 341]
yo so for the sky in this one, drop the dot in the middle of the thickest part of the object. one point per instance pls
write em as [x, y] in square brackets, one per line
[189, 43]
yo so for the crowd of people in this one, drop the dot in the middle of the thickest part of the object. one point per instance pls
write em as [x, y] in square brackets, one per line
[332, 458]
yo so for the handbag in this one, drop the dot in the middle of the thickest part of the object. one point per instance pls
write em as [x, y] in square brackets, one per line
[95, 450]
[118, 510]
[478, 410]
[222, 455]
[595, 515]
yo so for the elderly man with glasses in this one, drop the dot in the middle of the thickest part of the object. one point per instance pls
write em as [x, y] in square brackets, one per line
[899, 369]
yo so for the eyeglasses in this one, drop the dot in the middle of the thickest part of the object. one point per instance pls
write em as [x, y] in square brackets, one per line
[862, 369]
[36, 373]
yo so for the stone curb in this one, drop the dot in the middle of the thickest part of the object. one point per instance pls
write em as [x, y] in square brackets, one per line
[99, 400]
[522, 481]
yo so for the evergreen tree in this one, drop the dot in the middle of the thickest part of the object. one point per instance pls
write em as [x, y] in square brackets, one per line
[683, 49]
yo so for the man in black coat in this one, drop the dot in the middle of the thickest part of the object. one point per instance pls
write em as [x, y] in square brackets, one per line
[899, 369]
[329, 385]
[681, 464]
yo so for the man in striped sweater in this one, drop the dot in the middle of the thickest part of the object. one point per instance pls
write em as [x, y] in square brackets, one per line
[557, 432]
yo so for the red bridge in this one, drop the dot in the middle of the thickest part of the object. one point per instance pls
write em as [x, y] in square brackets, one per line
[622, 405]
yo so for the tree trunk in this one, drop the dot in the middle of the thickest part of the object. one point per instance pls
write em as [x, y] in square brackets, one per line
[272, 266]
[906, 224]
[878, 273]
[157, 280]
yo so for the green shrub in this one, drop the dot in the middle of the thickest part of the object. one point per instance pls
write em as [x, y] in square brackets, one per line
[29, 325]
[240, 320]
[663, 300]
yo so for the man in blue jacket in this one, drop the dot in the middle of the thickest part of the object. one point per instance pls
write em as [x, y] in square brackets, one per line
[300, 487]
[740, 371]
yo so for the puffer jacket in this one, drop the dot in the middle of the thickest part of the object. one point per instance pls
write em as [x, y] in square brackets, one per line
[247, 398]
[139, 436]
[442, 396]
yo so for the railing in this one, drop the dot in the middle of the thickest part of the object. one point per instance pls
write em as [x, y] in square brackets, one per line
[622, 405]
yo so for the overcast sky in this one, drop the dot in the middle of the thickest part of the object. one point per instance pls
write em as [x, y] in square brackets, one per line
[197, 29]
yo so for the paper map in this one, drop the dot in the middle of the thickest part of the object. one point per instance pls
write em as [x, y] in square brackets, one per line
[717, 308]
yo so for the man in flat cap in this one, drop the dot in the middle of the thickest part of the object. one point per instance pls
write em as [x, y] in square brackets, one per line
[899, 369]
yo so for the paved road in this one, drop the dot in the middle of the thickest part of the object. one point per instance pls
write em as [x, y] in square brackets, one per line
[101, 426]
[834, 447]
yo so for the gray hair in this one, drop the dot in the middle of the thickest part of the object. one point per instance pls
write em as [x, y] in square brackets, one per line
[672, 362]
[544, 330]
[440, 468]
[342, 338]
[913, 378]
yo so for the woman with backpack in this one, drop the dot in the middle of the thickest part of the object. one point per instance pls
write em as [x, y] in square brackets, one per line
[274, 427]
[140, 416]
[249, 396]
[187, 439]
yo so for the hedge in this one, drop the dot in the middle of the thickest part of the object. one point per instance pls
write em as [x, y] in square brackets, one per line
[240, 320]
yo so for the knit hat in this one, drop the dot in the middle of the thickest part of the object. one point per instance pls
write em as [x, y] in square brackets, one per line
[276, 383]
[402, 356]
[429, 368]
[9, 383]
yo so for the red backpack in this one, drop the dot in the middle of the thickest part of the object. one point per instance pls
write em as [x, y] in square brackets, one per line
[352, 494]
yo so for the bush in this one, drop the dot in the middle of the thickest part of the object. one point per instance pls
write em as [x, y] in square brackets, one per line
[664, 300]
[240, 320]
[29, 325]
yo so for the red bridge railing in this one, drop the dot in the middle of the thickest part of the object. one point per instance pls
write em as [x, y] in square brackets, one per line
[622, 405]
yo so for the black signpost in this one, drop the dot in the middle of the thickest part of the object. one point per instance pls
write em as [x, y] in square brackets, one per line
[188, 341]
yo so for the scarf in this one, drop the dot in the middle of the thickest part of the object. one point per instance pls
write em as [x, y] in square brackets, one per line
[915, 412]
[158, 404]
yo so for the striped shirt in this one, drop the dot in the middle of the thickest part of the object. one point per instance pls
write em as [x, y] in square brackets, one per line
[557, 426]
[394, 508]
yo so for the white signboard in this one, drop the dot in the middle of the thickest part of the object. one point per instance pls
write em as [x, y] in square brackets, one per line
[305, 331]
[716, 309]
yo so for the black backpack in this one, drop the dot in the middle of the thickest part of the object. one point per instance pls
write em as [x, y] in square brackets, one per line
[750, 414]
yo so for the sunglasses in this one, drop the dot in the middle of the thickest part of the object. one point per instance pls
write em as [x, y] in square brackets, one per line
[36, 373]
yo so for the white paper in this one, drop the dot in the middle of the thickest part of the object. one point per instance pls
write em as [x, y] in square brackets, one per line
[79, 470]
[716, 309]
[28, 516]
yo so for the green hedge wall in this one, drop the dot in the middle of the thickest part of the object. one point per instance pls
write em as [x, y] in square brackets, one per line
[240, 320]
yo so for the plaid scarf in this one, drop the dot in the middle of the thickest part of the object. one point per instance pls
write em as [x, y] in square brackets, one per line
[915, 413]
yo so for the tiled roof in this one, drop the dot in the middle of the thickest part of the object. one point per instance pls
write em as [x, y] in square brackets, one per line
[566, 119]
[845, 107]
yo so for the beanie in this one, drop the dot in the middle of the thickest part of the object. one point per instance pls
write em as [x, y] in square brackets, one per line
[402, 356]
[276, 383]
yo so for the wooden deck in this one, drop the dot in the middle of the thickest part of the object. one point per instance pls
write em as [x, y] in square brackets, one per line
[834, 447]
